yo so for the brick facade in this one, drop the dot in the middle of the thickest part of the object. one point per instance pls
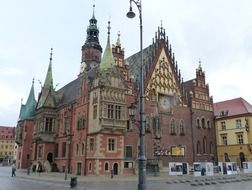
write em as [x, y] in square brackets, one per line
[84, 127]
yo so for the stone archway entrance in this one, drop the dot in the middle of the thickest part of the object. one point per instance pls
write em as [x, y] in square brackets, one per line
[115, 168]
[50, 157]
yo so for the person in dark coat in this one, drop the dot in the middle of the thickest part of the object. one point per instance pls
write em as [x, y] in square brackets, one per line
[13, 170]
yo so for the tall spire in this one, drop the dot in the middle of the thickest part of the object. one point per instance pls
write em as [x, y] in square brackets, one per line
[47, 89]
[92, 30]
[49, 79]
[91, 50]
[107, 58]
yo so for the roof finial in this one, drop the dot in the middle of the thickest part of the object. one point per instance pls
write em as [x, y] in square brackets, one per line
[51, 55]
[199, 63]
[161, 23]
[21, 100]
[94, 9]
[109, 28]
[118, 43]
[33, 81]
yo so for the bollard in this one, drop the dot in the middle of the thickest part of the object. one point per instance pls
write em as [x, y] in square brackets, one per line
[73, 182]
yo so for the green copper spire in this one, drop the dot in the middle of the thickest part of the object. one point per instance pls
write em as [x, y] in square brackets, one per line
[46, 96]
[49, 79]
[27, 111]
[107, 58]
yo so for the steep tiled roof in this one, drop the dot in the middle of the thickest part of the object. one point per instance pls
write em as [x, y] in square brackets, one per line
[69, 92]
[232, 107]
[134, 61]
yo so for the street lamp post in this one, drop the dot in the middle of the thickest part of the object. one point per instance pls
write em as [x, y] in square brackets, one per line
[142, 158]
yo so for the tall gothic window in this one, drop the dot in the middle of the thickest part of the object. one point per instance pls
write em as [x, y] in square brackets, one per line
[204, 145]
[203, 124]
[182, 127]
[198, 123]
[48, 124]
[211, 148]
[208, 124]
[198, 147]
[172, 127]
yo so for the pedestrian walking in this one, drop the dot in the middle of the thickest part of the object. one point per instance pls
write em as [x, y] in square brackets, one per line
[39, 168]
[13, 170]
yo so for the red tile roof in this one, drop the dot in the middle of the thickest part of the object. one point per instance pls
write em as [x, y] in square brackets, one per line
[232, 107]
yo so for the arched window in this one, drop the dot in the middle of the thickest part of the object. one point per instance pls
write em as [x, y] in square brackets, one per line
[106, 167]
[90, 166]
[198, 147]
[203, 122]
[208, 124]
[198, 122]
[172, 127]
[204, 145]
[182, 127]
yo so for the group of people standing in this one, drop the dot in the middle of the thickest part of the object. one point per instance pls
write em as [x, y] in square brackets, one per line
[14, 168]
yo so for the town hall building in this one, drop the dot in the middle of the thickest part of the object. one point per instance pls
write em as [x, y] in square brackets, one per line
[84, 128]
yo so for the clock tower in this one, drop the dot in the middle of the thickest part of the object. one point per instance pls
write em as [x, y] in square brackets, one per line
[91, 50]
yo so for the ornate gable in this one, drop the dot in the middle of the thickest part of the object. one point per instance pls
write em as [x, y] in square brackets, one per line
[112, 78]
[161, 73]
[162, 79]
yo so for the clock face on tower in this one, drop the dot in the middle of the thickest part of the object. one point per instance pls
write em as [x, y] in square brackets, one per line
[165, 102]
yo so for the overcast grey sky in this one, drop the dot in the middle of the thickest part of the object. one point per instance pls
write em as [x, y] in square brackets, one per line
[219, 32]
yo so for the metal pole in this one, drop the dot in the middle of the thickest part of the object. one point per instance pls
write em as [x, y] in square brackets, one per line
[142, 158]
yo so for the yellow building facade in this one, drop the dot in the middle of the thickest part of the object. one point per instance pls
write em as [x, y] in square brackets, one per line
[233, 120]
[7, 143]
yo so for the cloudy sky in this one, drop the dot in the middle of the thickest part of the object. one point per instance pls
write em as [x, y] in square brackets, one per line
[219, 32]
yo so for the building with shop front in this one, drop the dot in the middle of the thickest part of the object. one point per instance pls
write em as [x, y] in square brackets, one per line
[233, 119]
[84, 127]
